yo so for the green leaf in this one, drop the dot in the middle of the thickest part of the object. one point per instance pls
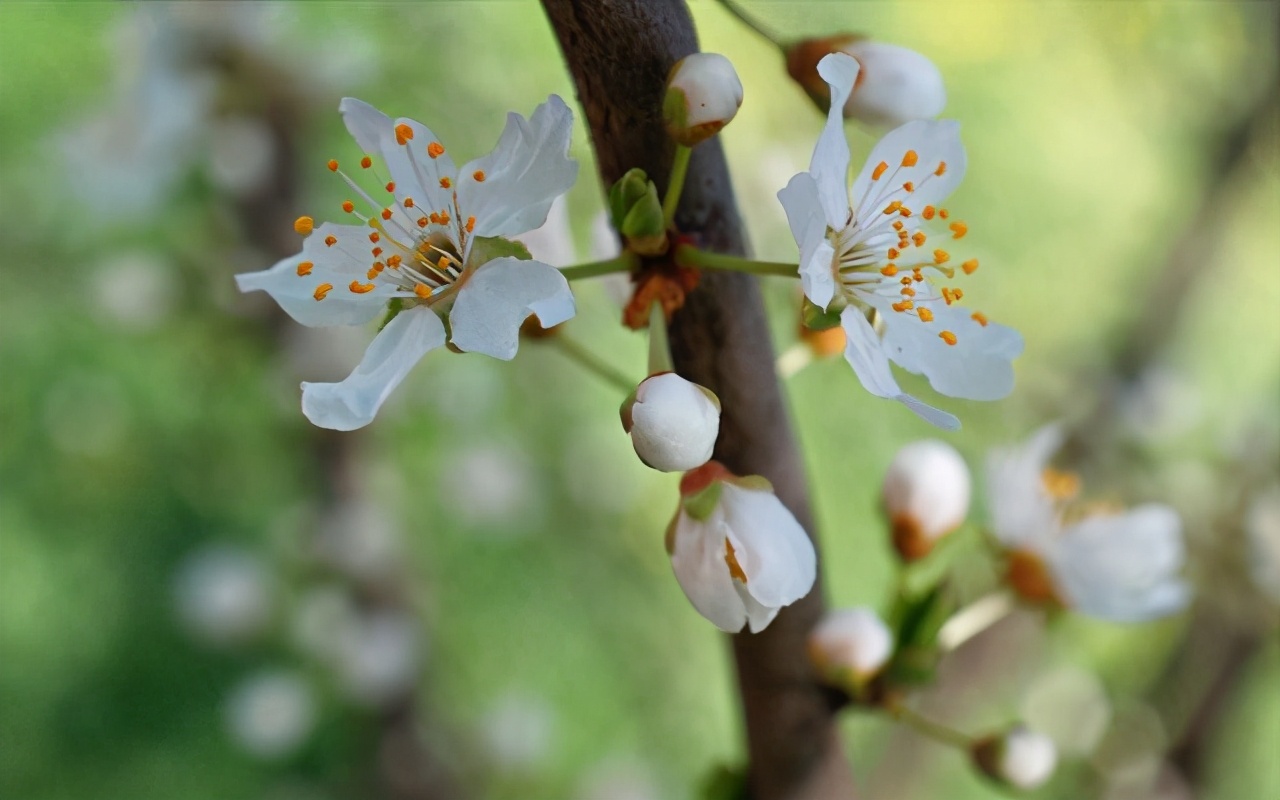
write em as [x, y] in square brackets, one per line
[486, 248]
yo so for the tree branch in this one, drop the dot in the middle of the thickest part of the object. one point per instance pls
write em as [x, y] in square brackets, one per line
[619, 52]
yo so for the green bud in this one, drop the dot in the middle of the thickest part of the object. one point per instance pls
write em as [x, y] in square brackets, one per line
[636, 211]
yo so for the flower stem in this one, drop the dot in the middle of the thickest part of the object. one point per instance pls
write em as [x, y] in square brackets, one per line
[690, 256]
[746, 19]
[623, 262]
[659, 348]
[934, 730]
[591, 362]
[679, 168]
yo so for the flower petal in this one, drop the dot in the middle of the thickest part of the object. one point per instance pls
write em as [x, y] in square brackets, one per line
[830, 163]
[501, 295]
[863, 352]
[800, 200]
[977, 367]
[1123, 567]
[353, 403]
[529, 168]
[933, 143]
[698, 561]
[769, 544]
[415, 173]
[336, 265]
[1022, 511]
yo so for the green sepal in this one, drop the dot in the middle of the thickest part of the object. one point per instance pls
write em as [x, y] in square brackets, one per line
[486, 248]
[394, 307]
[675, 114]
[819, 319]
[624, 410]
[624, 194]
[701, 505]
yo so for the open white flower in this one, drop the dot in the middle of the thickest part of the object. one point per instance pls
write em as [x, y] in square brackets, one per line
[432, 248]
[736, 550]
[864, 250]
[1120, 566]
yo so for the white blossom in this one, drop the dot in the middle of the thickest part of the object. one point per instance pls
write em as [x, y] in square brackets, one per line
[851, 642]
[1022, 758]
[703, 95]
[1120, 566]
[736, 550]
[863, 250]
[673, 422]
[926, 495]
[895, 85]
[271, 714]
[432, 247]
[224, 595]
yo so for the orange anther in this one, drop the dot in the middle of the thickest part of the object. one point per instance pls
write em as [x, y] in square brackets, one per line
[905, 305]
[386, 213]
[947, 295]
[422, 290]
[357, 287]
[330, 241]
[941, 256]
[878, 171]
[958, 229]
[928, 212]
[444, 217]
[907, 291]
[892, 207]
[909, 186]
[917, 275]
[374, 237]
[391, 186]
[893, 252]
[422, 222]
[942, 212]
[304, 268]
[897, 225]
[403, 133]
[379, 266]
[395, 261]
[925, 314]
[942, 167]
[979, 318]
[377, 251]
[366, 162]
[948, 337]
[304, 225]
[408, 202]
[478, 175]
[906, 280]
[348, 206]
[435, 218]
[970, 266]
[906, 212]
[889, 270]
[435, 150]
[910, 158]
[445, 183]
[957, 293]
[322, 290]
[919, 238]
[333, 165]
[471, 224]
[372, 273]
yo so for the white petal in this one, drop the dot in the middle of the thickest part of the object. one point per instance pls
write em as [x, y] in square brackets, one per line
[896, 85]
[758, 616]
[698, 560]
[773, 550]
[830, 163]
[977, 367]
[527, 170]
[800, 200]
[1123, 567]
[337, 265]
[863, 352]
[934, 143]
[501, 295]
[353, 403]
[1022, 511]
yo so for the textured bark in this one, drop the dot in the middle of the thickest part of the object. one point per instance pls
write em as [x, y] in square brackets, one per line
[619, 52]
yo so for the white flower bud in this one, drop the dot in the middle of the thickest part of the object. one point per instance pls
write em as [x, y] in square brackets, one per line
[673, 423]
[895, 85]
[926, 496]
[703, 95]
[850, 643]
[1021, 758]
[271, 714]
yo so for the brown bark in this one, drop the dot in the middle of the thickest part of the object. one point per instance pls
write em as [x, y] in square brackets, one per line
[619, 52]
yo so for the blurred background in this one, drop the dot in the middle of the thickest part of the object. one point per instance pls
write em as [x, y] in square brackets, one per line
[202, 596]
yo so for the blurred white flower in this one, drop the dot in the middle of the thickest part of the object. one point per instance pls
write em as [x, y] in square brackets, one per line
[1262, 526]
[673, 422]
[1021, 758]
[321, 619]
[1120, 566]
[360, 539]
[241, 153]
[271, 714]
[224, 595]
[738, 553]
[620, 778]
[135, 290]
[492, 486]
[926, 495]
[518, 730]
[377, 659]
[703, 95]
[438, 248]
[1161, 404]
[1070, 706]
[856, 258]
[850, 645]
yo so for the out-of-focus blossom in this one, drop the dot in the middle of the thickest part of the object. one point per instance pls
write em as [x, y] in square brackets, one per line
[377, 658]
[1070, 706]
[926, 496]
[703, 95]
[320, 619]
[271, 714]
[850, 646]
[1262, 525]
[434, 245]
[224, 595]
[135, 290]
[241, 152]
[1020, 758]
[894, 86]
[673, 422]
[519, 730]
[738, 553]
[620, 778]
[1120, 566]
[864, 250]
[361, 539]
[492, 485]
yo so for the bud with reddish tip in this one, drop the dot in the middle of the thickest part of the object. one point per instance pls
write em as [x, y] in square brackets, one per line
[703, 95]
[850, 646]
[673, 422]
[1020, 758]
[895, 85]
[926, 496]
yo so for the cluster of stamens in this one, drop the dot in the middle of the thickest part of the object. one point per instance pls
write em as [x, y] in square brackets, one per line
[419, 264]
[878, 249]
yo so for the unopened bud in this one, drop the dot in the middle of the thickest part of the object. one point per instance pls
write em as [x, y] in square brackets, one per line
[1020, 758]
[926, 496]
[703, 95]
[673, 422]
[895, 85]
[636, 212]
[850, 646]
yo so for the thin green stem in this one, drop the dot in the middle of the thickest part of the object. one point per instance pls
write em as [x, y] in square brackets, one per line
[934, 730]
[751, 22]
[591, 362]
[690, 256]
[659, 347]
[624, 262]
[679, 168]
